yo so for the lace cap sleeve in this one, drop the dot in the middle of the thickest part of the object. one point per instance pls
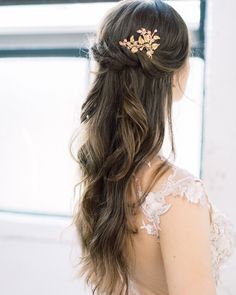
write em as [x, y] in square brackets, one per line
[180, 183]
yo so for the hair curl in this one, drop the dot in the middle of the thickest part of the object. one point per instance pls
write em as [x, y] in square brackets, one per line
[123, 119]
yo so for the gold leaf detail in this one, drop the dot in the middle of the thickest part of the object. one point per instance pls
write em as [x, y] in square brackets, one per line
[140, 40]
[134, 49]
[132, 39]
[146, 38]
[155, 45]
[145, 41]
[149, 54]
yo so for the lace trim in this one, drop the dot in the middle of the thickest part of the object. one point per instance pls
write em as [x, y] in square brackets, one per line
[155, 204]
[223, 242]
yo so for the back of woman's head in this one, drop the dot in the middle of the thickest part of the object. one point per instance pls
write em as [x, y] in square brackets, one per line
[123, 117]
[124, 21]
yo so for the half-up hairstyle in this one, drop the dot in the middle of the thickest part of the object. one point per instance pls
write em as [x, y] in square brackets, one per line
[123, 117]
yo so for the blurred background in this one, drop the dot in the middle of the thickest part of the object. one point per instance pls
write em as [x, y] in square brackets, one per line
[44, 74]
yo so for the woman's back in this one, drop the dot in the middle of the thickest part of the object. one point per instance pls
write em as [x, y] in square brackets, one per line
[179, 239]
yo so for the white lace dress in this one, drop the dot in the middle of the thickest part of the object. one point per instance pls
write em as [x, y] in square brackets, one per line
[182, 183]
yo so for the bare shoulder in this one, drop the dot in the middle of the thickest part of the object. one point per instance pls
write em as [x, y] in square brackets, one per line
[185, 235]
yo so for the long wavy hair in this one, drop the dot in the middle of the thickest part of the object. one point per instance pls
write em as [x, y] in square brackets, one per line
[123, 120]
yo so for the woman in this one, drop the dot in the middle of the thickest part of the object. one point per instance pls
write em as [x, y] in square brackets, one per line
[145, 225]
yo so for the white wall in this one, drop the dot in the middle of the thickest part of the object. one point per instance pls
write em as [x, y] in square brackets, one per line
[219, 158]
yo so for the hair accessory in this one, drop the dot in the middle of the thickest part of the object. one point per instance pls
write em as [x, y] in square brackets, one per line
[146, 40]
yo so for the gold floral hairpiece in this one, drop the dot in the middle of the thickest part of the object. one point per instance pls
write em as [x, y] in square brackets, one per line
[146, 40]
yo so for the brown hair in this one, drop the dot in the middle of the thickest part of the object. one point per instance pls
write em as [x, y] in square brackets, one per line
[123, 119]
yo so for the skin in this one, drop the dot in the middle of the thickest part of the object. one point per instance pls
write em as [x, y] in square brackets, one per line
[180, 80]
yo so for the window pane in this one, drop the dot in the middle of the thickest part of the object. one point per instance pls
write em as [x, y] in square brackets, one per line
[40, 102]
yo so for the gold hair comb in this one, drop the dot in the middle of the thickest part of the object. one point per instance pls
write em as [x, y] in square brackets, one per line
[146, 40]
